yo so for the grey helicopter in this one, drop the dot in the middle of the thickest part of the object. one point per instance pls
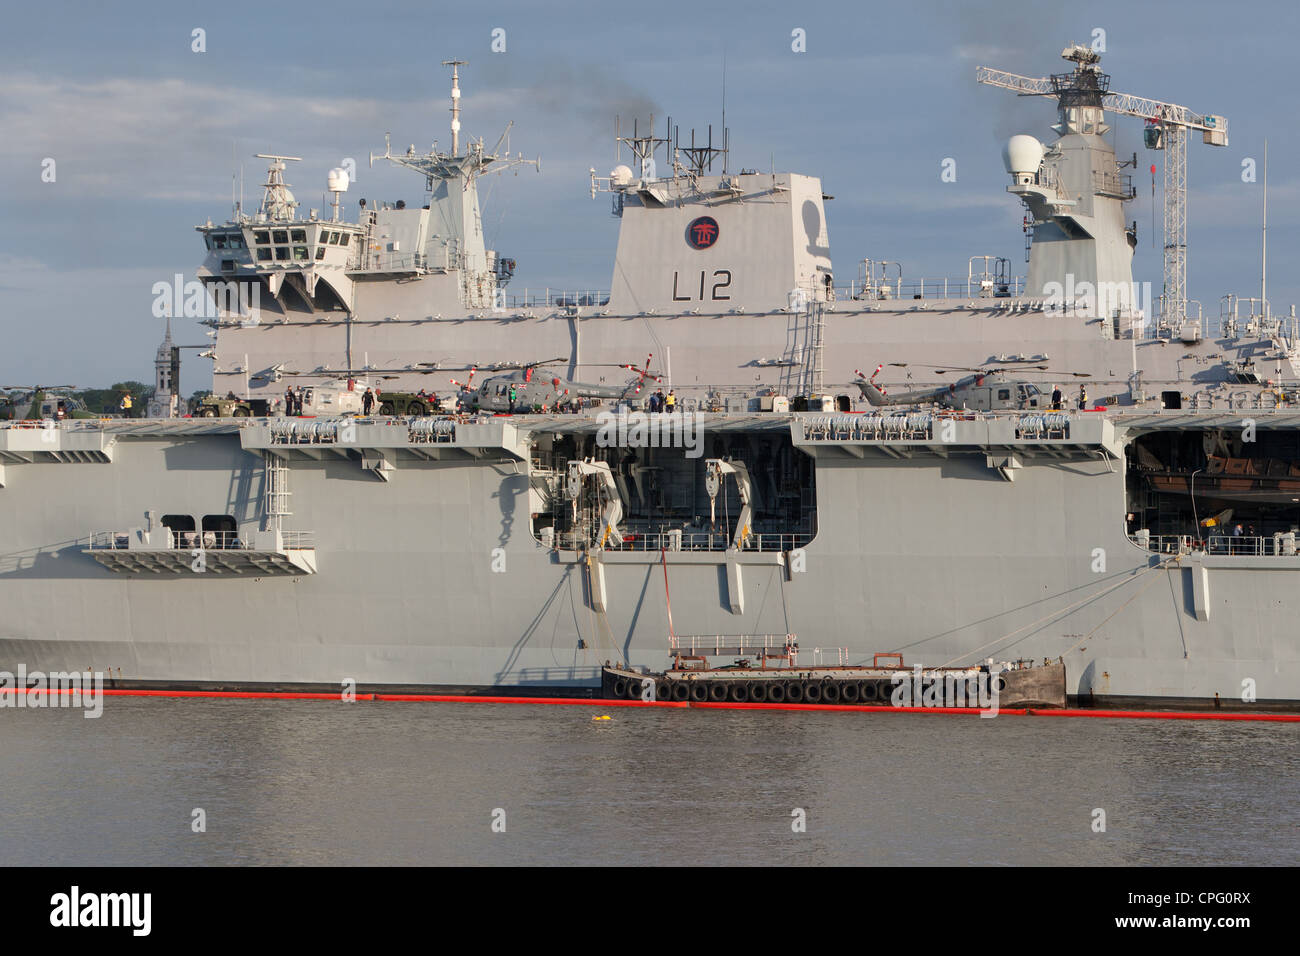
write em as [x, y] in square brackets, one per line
[985, 390]
[531, 388]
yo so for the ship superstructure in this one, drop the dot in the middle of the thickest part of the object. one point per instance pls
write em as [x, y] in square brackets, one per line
[727, 279]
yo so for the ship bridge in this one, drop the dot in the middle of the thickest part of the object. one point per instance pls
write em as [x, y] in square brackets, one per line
[286, 255]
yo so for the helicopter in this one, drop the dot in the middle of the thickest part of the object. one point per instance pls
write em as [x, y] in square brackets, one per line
[526, 388]
[37, 402]
[980, 390]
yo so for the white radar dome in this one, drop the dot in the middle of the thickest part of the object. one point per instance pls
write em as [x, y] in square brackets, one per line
[1022, 156]
[620, 175]
[337, 180]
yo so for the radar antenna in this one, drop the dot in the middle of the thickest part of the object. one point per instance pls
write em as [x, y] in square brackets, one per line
[700, 159]
[644, 147]
[277, 200]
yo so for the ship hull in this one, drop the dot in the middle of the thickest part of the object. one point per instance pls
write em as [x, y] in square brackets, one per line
[434, 579]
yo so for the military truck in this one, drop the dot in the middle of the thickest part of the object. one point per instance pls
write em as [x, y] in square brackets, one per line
[407, 403]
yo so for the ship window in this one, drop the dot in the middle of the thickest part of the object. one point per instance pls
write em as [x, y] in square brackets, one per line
[181, 528]
[262, 238]
[320, 252]
[207, 241]
[1004, 394]
[334, 238]
[219, 242]
[227, 265]
[300, 235]
[299, 253]
[219, 531]
[281, 253]
[263, 255]
[281, 235]
[236, 242]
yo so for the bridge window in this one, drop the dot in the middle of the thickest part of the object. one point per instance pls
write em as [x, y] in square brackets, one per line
[299, 253]
[281, 253]
[299, 235]
[320, 252]
[219, 242]
[263, 255]
[281, 235]
[262, 238]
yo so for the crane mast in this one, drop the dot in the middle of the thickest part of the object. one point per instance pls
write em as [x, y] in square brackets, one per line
[1168, 127]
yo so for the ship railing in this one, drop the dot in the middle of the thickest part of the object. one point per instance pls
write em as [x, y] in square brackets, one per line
[709, 541]
[1277, 545]
[177, 540]
[548, 298]
[109, 541]
[943, 287]
[715, 645]
[204, 540]
[1115, 185]
[392, 262]
[298, 540]
[821, 656]
[1163, 543]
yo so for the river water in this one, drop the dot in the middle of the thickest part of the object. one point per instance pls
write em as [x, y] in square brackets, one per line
[310, 782]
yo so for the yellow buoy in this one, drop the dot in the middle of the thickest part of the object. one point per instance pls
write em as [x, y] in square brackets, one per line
[603, 717]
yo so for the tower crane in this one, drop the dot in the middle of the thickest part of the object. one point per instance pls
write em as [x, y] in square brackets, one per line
[1168, 126]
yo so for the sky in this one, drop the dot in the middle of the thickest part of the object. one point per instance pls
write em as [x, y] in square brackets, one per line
[149, 136]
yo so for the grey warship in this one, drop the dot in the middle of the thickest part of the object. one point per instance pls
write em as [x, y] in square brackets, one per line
[948, 507]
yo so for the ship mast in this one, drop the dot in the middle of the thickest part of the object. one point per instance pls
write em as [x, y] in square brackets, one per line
[455, 102]
[441, 167]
